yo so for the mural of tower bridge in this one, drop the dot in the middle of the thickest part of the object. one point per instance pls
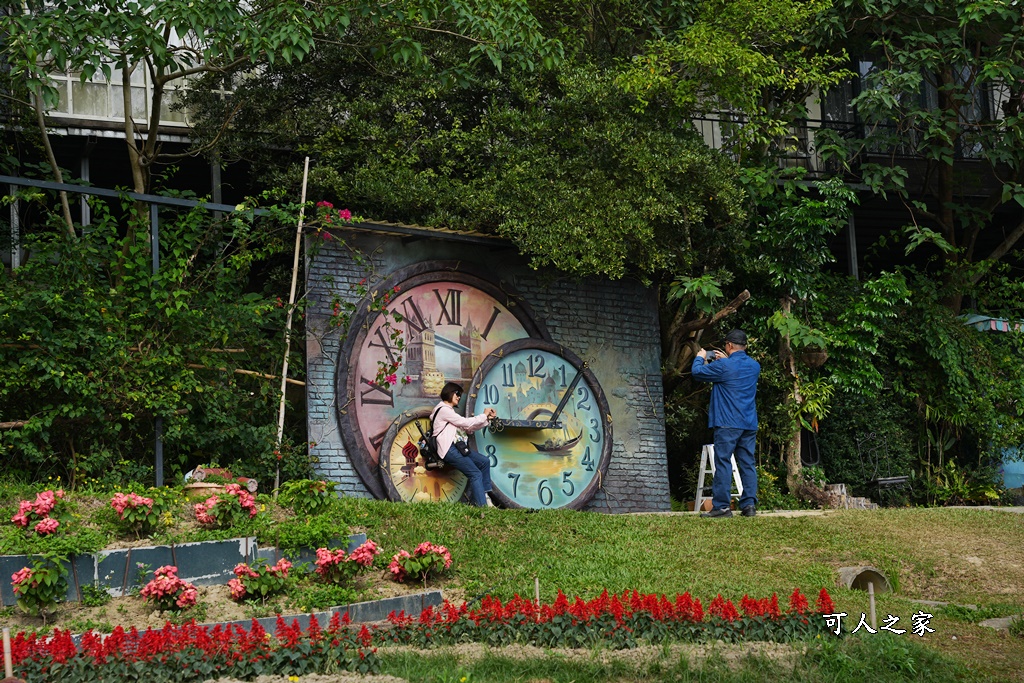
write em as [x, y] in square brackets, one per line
[431, 359]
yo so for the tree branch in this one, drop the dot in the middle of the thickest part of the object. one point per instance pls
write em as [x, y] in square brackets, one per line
[252, 373]
[682, 337]
[1000, 251]
[729, 309]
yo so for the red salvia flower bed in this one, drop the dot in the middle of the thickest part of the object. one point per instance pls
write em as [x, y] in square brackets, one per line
[191, 652]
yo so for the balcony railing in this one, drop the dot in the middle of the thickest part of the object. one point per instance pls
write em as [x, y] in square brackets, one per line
[796, 150]
[100, 100]
[799, 148]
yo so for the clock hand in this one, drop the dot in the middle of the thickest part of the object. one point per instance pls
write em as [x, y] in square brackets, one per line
[568, 392]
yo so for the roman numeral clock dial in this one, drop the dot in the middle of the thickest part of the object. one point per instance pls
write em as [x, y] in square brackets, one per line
[452, 318]
[552, 442]
[403, 470]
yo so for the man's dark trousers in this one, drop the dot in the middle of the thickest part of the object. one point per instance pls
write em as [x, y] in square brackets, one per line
[739, 442]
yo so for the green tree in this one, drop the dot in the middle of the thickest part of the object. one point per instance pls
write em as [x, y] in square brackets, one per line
[559, 161]
[176, 41]
[749, 61]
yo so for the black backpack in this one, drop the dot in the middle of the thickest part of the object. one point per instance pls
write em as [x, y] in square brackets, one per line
[428, 446]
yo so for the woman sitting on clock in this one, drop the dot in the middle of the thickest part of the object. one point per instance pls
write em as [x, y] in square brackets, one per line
[456, 453]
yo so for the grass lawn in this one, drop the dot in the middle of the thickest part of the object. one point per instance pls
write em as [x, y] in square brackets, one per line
[957, 556]
[950, 555]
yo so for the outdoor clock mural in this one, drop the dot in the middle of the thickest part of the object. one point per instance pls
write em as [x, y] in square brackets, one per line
[452, 318]
[403, 471]
[552, 441]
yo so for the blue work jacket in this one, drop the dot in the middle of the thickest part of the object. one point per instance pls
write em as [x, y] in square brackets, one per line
[734, 392]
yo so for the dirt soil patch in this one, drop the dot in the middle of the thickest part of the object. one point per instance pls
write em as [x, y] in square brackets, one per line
[215, 605]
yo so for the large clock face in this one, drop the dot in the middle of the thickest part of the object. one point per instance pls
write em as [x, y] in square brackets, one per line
[542, 468]
[403, 470]
[452, 319]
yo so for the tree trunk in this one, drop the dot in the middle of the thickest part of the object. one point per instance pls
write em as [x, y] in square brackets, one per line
[54, 167]
[794, 468]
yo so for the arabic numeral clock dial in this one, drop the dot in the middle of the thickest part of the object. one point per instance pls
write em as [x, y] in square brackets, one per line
[537, 461]
[403, 470]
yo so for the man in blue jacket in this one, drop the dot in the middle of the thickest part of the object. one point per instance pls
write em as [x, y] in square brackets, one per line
[733, 416]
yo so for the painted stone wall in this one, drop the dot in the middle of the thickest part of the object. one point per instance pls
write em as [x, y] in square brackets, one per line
[612, 323]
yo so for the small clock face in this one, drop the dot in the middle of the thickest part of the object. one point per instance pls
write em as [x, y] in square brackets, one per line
[542, 468]
[402, 468]
[452, 318]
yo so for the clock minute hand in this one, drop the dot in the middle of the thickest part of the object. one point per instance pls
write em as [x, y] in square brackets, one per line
[568, 392]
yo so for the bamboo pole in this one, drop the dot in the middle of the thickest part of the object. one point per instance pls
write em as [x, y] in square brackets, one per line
[8, 664]
[288, 324]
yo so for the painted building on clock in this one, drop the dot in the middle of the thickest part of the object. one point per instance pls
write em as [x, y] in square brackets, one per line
[572, 366]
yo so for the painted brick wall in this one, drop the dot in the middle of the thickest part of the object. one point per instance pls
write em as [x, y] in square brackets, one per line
[613, 323]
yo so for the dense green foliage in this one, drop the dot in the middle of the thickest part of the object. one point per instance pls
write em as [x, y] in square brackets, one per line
[627, 192]
[940, 108]
[98, 345]
[174, 40]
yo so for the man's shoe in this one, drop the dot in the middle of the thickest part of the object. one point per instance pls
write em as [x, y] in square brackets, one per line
[748, 511]
[717, 513]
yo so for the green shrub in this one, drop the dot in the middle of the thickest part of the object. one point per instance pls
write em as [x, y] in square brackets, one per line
[94, 596]
[864, 439]
[313, 532]
[770, 497]
[321, 596]
[41, 586]
[308, 496]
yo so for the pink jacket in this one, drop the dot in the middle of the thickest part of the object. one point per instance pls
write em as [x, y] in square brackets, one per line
[447, 421]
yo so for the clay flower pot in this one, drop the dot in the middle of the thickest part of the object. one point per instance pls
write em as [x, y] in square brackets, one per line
[201, 489]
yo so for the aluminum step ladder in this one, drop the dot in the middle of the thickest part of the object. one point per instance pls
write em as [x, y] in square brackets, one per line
[707, 467]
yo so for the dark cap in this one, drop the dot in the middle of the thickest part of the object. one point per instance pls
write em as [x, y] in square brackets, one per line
[737, 337]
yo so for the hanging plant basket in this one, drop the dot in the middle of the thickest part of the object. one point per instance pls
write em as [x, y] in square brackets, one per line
[813, 358]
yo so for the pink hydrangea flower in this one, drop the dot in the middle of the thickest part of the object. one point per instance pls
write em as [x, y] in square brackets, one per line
[20, 578]
[47, 526]
[364, 554]
[121, 502]
[237, 589]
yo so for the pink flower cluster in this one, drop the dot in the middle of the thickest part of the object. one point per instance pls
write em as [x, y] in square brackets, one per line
[20, 578]
[244, 571]
[245, 499]
[398, 572]
[166, 589]
[397, 568]
[39, 511]
[327, 209]
[46, 526]
[329, 562]
[121, 501]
